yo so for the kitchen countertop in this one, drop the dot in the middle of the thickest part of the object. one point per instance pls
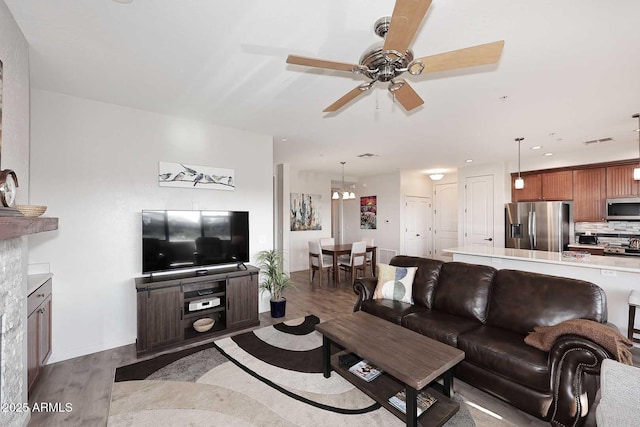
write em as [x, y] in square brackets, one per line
[34, 281]
[621, 263]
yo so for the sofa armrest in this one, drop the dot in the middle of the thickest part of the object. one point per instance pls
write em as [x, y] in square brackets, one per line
[364, 287]
[575, 379]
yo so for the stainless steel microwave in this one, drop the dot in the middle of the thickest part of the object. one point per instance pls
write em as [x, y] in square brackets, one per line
[623, 209]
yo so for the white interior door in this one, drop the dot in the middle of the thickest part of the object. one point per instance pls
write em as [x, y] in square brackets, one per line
[445, 217]
[417, 219]
[478, 218]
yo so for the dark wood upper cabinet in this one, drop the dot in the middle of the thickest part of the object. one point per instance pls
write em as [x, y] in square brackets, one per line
[532, 190]
[548, 186]
[589, 194]
[557, 185]
[620, 182]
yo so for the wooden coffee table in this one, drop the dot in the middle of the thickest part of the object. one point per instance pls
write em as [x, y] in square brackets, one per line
[410, 361]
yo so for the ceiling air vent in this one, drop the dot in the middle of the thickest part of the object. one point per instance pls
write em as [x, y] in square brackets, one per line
[598, 141]
[367, 155]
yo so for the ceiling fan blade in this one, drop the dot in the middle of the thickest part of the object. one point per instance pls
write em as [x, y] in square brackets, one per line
[468, 57]
[407, 96]
[320, 63]
[405, 21]
[351, 95]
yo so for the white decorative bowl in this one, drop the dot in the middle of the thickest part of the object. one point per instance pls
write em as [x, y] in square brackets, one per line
[204, 324]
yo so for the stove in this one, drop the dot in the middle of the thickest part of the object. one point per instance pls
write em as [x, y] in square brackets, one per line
[623, 250]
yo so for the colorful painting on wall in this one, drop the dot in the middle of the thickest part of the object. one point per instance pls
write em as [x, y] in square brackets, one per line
[306, 212]
[368, 213]
[192, 176]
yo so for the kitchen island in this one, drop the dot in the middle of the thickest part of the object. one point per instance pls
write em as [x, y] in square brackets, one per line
[616, 275]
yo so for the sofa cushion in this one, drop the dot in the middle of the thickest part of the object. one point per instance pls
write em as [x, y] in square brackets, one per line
[463, 289]
[438, 325]
[521, 300]
[426, 277]
[387, 309]
[394, 283]
[505, 353]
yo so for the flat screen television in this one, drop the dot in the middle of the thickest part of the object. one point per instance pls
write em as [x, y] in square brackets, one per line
[176, 240]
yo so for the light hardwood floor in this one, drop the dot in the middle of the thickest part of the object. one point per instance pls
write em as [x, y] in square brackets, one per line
[86, 381]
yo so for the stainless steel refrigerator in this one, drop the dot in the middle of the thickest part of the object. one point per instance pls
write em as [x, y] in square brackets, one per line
[542, 226]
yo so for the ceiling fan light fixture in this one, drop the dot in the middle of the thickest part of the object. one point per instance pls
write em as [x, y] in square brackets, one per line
[636, 171]
[394, 86]
[416, 68]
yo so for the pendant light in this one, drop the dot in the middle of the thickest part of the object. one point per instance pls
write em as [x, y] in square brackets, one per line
[519, 182]
[346, 195]
[636, 170]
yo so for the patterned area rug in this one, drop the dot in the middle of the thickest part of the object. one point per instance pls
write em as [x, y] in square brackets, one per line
[267, 377]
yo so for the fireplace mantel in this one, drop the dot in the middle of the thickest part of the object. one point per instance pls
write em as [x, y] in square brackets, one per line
[12, 227]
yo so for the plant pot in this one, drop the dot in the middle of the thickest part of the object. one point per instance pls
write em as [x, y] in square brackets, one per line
[278, 308]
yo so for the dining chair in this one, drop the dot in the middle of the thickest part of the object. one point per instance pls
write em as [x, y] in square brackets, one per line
[357, 260]
[318, 262]
[369, 260]
[327, 241]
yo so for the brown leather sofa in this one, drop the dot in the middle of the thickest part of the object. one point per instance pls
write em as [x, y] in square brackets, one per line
[487, 313]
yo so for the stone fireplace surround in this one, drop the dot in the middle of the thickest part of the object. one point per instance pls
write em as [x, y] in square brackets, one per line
[13, 312]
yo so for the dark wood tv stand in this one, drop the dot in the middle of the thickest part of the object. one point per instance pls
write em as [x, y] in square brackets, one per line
[164, 317]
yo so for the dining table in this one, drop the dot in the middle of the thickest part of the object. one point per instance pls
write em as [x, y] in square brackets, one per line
[345, 249]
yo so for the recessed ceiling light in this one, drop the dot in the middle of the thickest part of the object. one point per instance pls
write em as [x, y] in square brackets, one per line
[468, 161]
[284, 140]
[548, 154]
[536, 147]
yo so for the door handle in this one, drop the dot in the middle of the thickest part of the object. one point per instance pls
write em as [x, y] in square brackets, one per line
[489, 239]
[417, 235]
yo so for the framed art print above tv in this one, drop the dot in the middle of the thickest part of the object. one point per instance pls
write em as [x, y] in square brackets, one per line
[194, 176]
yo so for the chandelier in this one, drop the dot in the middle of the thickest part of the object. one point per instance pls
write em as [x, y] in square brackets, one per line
[346, 195]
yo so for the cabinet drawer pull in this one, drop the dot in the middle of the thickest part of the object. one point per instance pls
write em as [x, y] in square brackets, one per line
[41, 311]
[40, 295]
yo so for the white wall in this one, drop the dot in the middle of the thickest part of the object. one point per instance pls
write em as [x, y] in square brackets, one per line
[308, 183]
[387, 190]
[95, 166]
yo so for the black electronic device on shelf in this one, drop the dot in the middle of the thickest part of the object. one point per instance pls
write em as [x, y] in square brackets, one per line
[176, 240]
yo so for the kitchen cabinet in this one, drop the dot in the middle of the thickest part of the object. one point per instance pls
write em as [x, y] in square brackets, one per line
[620, 182]
[38, 331]
[589, 195]
[532, 190]
[548, 186]
[557, 186]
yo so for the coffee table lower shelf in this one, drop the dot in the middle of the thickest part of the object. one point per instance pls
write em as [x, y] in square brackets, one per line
[385, 386]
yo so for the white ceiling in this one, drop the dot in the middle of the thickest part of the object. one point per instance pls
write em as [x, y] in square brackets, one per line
[570, 71]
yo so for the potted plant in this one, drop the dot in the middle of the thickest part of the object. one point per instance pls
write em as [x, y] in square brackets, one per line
[274, 279]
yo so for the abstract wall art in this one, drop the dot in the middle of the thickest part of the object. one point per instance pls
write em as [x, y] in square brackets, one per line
[306, 212]
[368, 212]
